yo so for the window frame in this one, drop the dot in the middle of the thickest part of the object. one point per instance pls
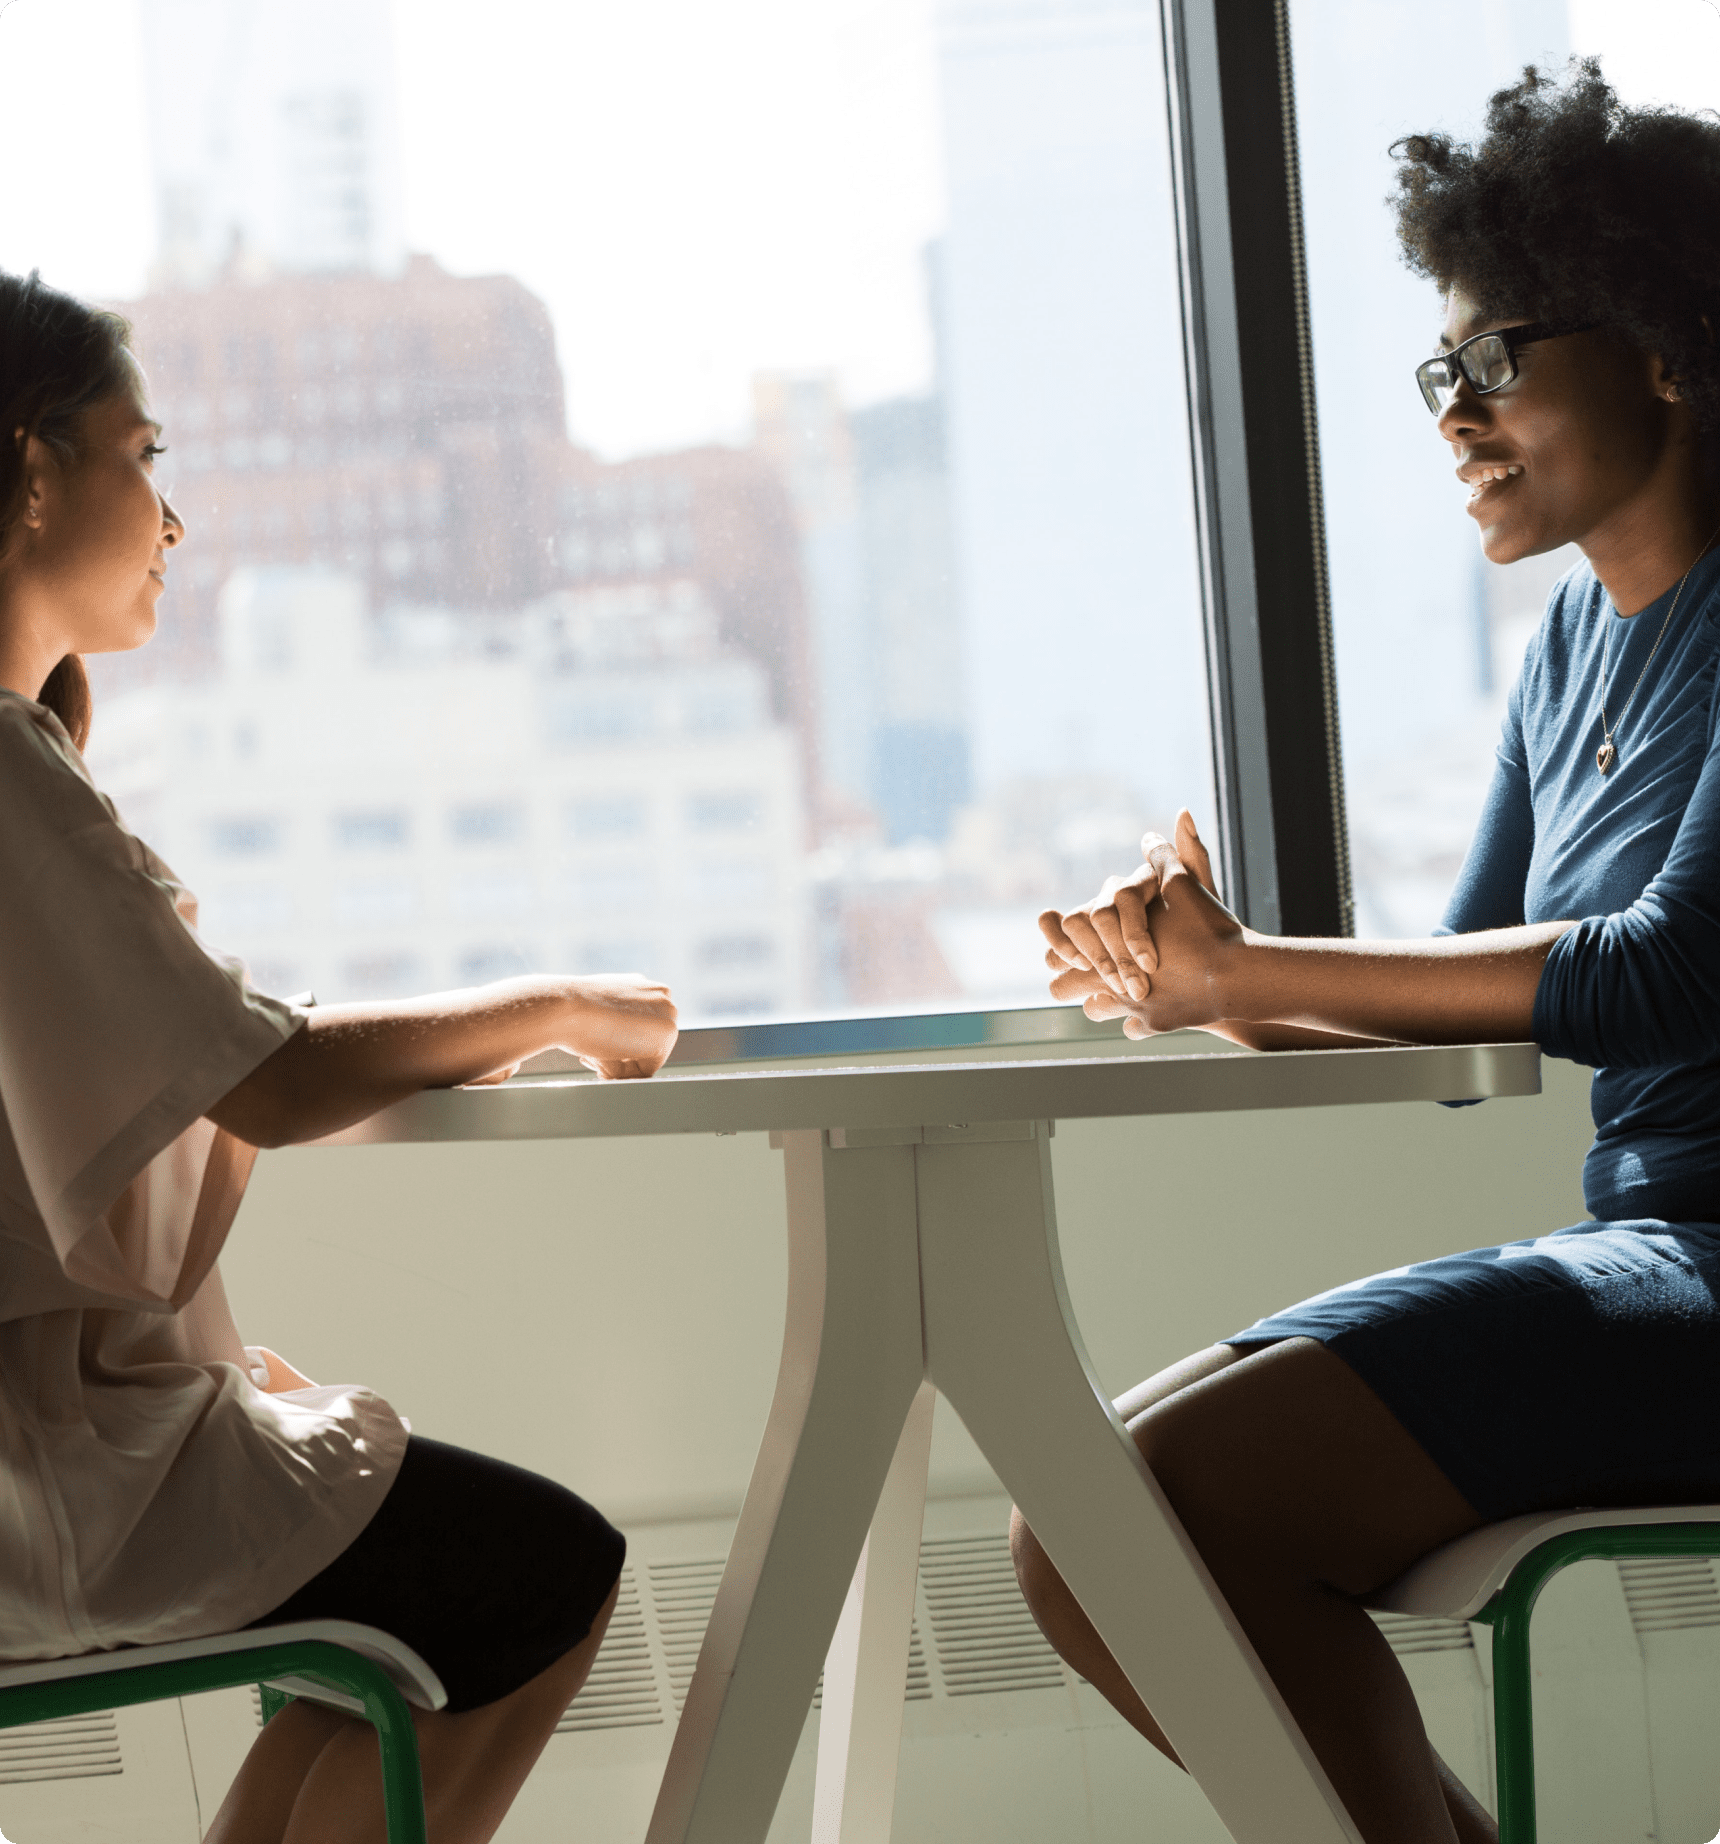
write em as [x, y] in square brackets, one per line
[1254, 445]
[1254, 454]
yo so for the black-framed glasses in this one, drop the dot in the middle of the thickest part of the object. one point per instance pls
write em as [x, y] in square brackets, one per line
[1487, 362]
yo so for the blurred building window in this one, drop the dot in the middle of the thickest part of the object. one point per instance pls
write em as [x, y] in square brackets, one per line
[385, 829]
[728, 953]
[724, 812]
[244, 835]
[613, 816]
[498, 822]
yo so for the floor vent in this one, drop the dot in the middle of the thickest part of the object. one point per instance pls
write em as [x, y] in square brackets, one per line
[621, 1692]
[919, 1685]
[682, 1594]
[1670, 1593]
[985, 1637]
[1408, 1634]
[76, 1748]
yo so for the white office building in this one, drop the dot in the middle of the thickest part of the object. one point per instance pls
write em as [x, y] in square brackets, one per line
[393, 807]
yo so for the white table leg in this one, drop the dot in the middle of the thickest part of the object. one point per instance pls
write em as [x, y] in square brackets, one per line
[860, 1731]
[1002, 1345]
[852, 1361]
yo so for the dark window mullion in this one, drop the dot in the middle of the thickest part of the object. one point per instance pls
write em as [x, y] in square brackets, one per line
[1255, 451]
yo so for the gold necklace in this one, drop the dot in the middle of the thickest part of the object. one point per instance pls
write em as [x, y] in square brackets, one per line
[1607, 754]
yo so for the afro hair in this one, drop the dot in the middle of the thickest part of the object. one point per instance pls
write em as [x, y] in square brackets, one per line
[1571, 207]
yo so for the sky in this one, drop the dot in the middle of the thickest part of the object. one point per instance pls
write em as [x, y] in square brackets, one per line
[698, 191]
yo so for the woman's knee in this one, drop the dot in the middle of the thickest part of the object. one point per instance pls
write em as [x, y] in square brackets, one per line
[1041, 1586]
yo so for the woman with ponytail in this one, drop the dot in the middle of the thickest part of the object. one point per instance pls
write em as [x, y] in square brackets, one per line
[160, 1480]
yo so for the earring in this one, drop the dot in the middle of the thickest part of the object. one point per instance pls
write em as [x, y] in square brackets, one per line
[1673, 394]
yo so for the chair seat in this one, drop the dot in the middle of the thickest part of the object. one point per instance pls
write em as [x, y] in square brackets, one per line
[414, 1679]
[1456, 1582]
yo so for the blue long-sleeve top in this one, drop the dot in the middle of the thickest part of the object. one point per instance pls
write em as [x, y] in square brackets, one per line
[1634, 857]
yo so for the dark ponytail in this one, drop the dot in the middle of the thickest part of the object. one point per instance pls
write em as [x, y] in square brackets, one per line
[59, 357]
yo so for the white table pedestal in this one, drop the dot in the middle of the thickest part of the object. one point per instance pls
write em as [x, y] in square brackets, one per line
[920, 1259]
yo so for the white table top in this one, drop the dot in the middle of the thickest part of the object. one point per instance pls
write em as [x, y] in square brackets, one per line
[908, 1094]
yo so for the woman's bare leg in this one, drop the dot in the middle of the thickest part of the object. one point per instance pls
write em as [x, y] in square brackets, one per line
[313, 1777]
[1301, 1491]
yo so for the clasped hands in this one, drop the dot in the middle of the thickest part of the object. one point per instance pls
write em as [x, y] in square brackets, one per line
[1152, 948]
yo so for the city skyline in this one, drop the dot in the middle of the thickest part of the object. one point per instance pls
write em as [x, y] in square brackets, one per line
[643, 371]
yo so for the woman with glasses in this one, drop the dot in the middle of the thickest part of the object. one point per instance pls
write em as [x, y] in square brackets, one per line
[1316, 1455]
[161, 1480]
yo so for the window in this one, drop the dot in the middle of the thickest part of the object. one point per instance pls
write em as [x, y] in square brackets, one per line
[817, 554]
[384, 829]
[606, 817]
[254, 909]
[244, 835]
[615, 955]
[726, 953]
[385, 975]
[723, 812]
[475, 965]
[500, 822]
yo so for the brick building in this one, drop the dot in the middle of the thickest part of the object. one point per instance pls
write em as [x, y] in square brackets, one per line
[412, 431]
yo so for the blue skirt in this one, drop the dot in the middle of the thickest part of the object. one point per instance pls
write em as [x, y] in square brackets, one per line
[1576, 1369]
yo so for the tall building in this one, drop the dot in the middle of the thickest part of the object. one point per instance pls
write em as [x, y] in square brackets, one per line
[273, 137]
[1061, 338]
[919, 747]
[801, 430]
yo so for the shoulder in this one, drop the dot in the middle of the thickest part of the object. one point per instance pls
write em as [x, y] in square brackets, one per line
[37, 752]
[1572, 604]
[45, 789]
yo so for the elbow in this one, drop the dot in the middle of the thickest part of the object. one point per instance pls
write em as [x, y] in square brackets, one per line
[267, 1108]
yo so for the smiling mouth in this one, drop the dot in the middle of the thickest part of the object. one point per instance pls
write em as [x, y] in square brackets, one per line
[1491, 480]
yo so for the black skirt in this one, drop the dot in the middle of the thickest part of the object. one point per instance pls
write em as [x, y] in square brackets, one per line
[490, 1573]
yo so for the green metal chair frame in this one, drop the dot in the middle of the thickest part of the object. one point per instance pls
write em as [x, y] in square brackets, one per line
[317, 1661]
[1509, 1613]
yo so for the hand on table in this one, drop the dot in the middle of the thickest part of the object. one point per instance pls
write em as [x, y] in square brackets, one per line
[624, 1025]
[1147, 947]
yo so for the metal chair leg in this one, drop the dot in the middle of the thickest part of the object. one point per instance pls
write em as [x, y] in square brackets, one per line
[1509, 1613]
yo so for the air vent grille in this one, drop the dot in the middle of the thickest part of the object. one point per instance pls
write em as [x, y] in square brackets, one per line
[1408, 1634]
[919, 1685]
[683, 1594]
[75, 1748]
[621, 1692]
[1670, 1593]
[985, 1637]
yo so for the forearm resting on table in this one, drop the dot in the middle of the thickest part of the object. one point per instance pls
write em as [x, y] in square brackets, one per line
[1263, 1036]
[1477, 988]
[348, 1061]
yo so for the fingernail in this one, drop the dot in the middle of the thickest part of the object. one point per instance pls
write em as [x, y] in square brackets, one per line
[1137, 986]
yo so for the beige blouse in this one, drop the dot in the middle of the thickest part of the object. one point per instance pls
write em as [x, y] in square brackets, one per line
[149, 1490]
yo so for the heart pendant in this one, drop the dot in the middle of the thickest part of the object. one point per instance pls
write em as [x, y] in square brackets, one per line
[1605, 756]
